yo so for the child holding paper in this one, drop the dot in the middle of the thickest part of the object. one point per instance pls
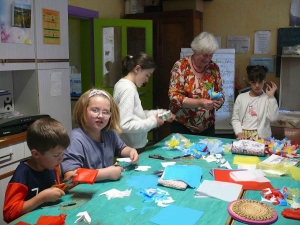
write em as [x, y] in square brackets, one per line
[95, 142]
[33, 180]
[254, 110]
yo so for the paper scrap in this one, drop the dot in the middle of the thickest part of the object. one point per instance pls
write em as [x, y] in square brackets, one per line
[129, 208]
[124, 159]
[142, 168]
[249, 175]
[114, 193]
[84, 216]
[164, 164]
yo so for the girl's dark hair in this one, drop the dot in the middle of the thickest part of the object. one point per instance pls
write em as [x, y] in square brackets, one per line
[256, 73]
[141, 59]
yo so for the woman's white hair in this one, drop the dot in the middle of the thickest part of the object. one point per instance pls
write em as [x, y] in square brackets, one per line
[204, 42]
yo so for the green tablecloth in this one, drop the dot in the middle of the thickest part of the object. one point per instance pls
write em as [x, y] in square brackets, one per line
[111, 212]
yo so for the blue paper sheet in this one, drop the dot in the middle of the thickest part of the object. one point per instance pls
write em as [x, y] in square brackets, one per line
[190, 174]
[176, 215]
[142, 181]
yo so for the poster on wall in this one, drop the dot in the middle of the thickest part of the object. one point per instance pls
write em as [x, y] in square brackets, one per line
[51, 26]
[15, 21]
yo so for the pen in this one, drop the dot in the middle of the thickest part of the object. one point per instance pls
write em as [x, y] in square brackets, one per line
[69, 204]
[182, 156]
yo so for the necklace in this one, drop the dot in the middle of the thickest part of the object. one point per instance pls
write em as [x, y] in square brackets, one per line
[195, 67]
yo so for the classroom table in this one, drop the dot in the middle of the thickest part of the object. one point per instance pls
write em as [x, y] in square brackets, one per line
[111, 212]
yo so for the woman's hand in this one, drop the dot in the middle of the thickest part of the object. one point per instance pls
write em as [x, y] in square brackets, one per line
[270, 90]
[206, 104]
[218, 103]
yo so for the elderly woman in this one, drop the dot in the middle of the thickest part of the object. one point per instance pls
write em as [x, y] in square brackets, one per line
[191, 79]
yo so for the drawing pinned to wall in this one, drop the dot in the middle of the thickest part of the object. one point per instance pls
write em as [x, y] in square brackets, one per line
[15, 20]
[295, 13]
[241, 44]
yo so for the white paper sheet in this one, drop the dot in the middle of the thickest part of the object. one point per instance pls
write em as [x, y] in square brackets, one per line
[222, 190]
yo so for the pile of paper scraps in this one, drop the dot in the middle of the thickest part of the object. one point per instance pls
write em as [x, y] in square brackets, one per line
[159, 196]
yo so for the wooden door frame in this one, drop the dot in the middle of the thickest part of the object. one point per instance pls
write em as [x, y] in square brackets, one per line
[89, 16]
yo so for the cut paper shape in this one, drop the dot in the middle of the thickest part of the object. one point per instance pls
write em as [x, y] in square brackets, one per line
[85, 175]
[114, 193]
[224, 175]
[142, 168]
[84, 216]
[176, 215]
[145, 208]
[226, 165]
[142, 181]
[159, 196]
[209, 158]
[222, 190]
[127, 159]
[129, 208]
[165, 164]
[190, 174]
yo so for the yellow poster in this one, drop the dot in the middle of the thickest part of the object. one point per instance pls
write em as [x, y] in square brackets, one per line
[51, 27]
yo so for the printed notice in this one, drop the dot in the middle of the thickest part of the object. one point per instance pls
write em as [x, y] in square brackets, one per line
[51, 27]
[262, 42]
[55, 80]
[241, 44]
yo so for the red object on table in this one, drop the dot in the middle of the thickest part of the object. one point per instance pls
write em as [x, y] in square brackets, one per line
[52, 220]
[85, 175]
[224, 175]
[291, 213]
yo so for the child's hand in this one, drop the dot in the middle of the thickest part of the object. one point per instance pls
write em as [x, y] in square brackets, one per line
[134, 156]
[159, 121]
[114, 172]
[51, 194]
[270, 90]
[240, 136]
[172, 118]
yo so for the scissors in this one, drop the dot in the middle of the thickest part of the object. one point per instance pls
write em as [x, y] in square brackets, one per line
[62, 186]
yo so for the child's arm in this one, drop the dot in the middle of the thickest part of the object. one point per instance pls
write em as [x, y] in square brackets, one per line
[51, 194]
[235, 120]
[15, 204]
[130, 152]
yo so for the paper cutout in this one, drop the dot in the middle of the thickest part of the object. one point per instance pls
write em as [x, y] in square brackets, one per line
[124, 159]
[129, 208]
[159, 196]
[164, 164]
[84, 216]
[224, 175]
[142, 168]
[85, 176]
[176, 215]
[114, 193]
[249, 175]
[245, 159]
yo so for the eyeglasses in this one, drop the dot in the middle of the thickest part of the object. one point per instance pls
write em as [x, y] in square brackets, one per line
[96, 112]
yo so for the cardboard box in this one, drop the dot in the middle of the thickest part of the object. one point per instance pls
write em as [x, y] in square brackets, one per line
[182, 5]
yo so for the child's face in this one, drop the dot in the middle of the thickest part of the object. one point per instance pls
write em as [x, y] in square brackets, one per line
[143, 76]
[257, 86]
[51, 158]
[98, 113]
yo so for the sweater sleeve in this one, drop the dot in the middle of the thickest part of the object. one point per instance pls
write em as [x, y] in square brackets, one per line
[235, 120]
[130, 123]
[272, 111]
[14, 201]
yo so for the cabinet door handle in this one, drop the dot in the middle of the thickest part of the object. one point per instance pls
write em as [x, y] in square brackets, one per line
[8, 155]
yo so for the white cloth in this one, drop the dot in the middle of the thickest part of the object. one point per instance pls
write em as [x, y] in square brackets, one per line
[135, 122]
[267, 112]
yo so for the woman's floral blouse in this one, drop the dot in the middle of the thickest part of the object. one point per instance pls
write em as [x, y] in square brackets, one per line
[184, 83]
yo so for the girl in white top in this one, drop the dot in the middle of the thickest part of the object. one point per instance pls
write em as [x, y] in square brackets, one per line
[135, 121]
[254, 110]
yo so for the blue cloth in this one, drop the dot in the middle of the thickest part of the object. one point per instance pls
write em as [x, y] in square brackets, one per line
[190, 174]
[176, 215]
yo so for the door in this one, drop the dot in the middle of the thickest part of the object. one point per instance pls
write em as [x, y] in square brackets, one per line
[113, 40]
